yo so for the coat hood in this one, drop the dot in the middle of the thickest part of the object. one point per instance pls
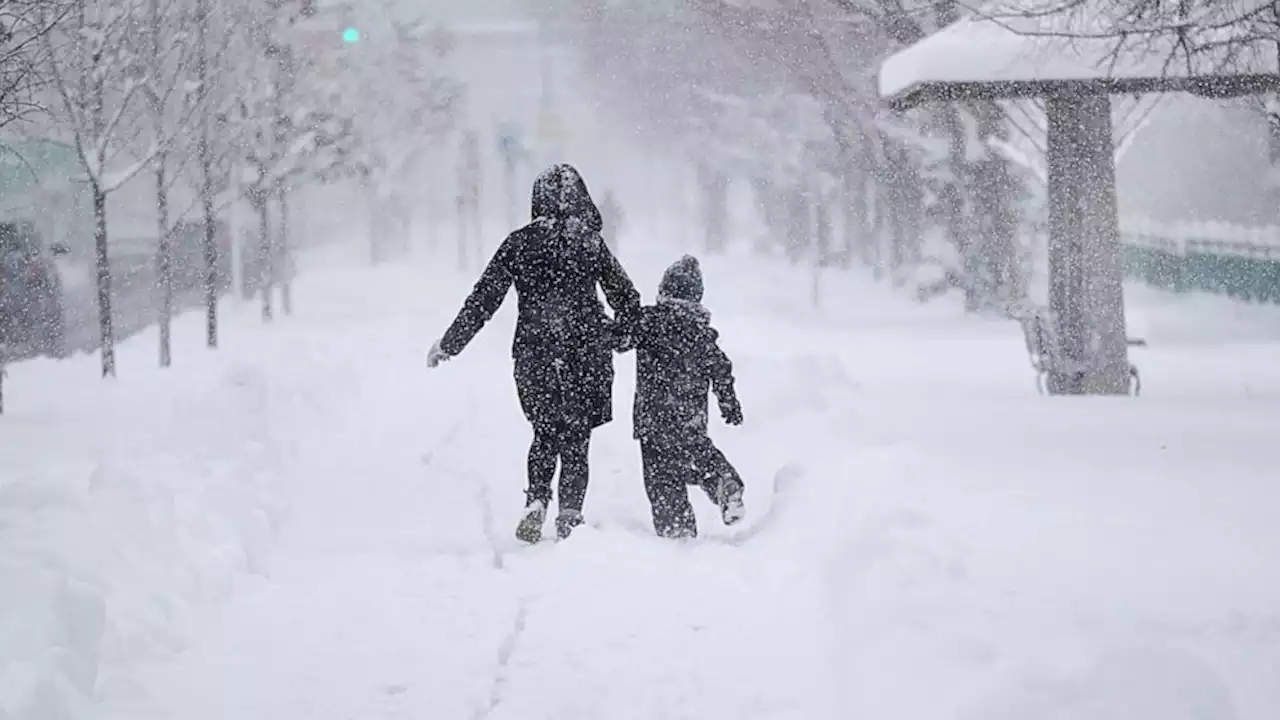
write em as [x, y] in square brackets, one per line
[560, 196]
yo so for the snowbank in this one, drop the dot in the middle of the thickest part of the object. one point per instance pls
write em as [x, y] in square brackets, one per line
[109, 548]
[129, 509]
[989, 554]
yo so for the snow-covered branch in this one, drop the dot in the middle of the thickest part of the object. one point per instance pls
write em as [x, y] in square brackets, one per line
[1196, 37]
[25, 25]
[110, 181]
[123, 107]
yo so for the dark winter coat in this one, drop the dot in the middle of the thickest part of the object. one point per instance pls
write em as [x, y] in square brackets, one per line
[563, 341]
[678, 360]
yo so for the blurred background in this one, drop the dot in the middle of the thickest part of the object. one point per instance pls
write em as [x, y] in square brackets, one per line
[410, 125]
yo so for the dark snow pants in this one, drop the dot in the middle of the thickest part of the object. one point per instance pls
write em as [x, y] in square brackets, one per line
[671, 465]
[571, 447]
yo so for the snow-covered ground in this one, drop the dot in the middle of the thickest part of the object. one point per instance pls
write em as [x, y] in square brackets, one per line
[309, 524]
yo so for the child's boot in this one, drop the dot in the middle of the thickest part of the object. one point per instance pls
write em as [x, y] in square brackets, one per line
[566, 521]
[729, 499]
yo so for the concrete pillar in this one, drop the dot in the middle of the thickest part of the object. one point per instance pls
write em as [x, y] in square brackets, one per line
[1086, 294]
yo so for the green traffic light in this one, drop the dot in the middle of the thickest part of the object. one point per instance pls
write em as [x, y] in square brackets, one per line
[350, 35]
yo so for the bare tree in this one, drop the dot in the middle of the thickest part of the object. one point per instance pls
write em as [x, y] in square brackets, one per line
[223, 31]
[1180, 31]
[182, 95]
[288, 129]
[898, 171]
[23, 26]
[205, 82]
[744, 56]
[95, 63]
[171, 101]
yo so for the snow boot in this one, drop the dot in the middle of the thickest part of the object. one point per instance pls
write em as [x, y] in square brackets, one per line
[730, 501]
[566, 521]
[678, 532]
[530, 528]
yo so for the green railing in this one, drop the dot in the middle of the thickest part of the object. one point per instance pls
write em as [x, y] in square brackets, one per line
[1239, 262]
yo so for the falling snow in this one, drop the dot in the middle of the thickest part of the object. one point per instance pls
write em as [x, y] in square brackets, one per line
[639, 359]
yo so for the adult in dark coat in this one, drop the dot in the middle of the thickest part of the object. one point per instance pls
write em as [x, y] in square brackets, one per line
[564, 340]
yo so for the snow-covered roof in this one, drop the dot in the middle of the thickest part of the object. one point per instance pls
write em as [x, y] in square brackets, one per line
[1007, 55]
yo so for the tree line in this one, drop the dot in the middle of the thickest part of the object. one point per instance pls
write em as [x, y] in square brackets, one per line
[784, 94]
[234, 100]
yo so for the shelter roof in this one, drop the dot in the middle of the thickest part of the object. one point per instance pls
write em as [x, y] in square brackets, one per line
[1004, 53]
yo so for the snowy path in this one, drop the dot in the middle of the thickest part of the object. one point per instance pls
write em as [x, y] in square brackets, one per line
[398, 591]
[942, 543]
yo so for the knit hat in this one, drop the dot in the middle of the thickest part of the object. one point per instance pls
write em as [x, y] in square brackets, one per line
[682, 281]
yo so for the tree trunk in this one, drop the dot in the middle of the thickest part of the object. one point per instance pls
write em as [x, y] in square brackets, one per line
[211, 254]
[266, 253]
[898, 231]
[102, 261]
[821, 255]
[953, 200]
[870, 251]
[822, 229]
[404, 227]
[893, 210]
[477, 229]
[998, 229]
[715, 206]
[375, 224]
[212, 268]
[905, 207]
[798, 222]
[952, 195]
[461, 205]
[910, 250]
[855, 215]
[427, 218]
[509, 185]
[766, 203]
[164, 264]
[286, 253]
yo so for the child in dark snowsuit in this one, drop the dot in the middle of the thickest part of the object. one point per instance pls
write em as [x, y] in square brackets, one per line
[677, 361]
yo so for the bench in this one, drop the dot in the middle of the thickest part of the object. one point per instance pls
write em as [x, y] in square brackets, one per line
[1045, 351]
